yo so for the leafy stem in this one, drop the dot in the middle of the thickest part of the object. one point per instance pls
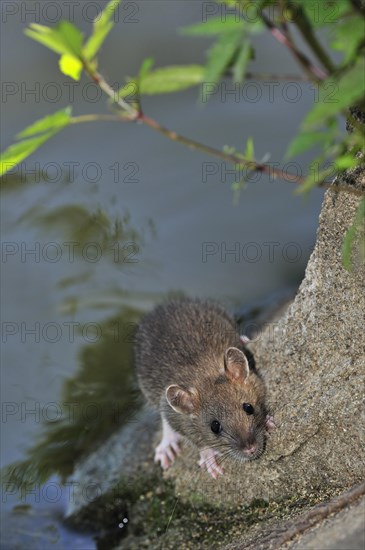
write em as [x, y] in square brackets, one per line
[284, 37]
[303, 24]
[236, 159]
[105, 86]
[192, 144]
[96, 118]
[228, 56]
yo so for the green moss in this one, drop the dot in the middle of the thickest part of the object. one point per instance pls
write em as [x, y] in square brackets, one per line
[157, 516]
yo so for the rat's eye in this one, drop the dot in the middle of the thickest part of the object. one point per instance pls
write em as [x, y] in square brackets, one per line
[216, 427]
[248, 408]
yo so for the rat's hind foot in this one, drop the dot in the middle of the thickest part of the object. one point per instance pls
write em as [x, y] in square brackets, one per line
[208, 461]
[169, 448]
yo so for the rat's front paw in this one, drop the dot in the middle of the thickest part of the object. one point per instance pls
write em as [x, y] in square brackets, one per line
[208, 461]
[168, 449]
[270, 425]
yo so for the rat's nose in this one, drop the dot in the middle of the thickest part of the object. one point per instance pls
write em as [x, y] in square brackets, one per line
[250, 450]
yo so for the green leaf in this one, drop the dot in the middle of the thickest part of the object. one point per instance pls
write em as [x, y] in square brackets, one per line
[250, 151]
[19, 151]
[51, 122]
[356, 228]
[71, 36]
[96, 40]
[314, 178]
[347, 36]
[243, 57]
[214, 26]
[102, 27]
[38, 133]
[221, 54]
[130, 89]
[325, 12]
[145, 67]
[165, 80]
[106, 15]
[65, 38]
[351, 88]
[46, 36]
[171, 79]
[345, 161]
[303, 142]
[70, 66]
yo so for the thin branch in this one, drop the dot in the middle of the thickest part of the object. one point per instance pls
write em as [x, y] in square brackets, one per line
[231, 158]
[105, 86]
[283, 22]
[283, 36]
[238, 160]
[95, 118]
[301, 21]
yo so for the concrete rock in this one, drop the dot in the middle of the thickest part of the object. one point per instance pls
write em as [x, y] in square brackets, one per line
[313, 360]
[344, 531]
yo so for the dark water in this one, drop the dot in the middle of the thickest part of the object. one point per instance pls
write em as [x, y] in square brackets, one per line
[140, 217]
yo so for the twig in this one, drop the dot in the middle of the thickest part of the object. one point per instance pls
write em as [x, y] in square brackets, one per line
[283, 22]
[233, 159]
[237, 160]
[96, 118]
[283, 36]
[140, 117]
[105, 86]
[306, 30]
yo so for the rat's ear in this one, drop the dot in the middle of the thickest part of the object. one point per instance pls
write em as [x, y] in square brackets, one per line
[182, 401]
[236, 365]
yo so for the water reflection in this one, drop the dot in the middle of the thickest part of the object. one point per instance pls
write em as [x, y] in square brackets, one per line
[99, 399]
[39, 526]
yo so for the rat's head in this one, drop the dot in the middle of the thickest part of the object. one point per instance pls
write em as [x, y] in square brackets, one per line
[226, 413]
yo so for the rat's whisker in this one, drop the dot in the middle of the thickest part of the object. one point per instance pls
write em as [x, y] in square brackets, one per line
[230, 435]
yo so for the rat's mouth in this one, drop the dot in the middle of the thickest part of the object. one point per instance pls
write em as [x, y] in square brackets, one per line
[243, 458]
[252, 450]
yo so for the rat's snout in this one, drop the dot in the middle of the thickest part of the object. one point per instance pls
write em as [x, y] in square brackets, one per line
[250, 445]
[250, 449]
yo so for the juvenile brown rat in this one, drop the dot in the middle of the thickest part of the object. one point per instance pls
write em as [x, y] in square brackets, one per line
[191, 367]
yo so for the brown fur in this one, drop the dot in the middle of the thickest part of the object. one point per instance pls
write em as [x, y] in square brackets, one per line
[183, 343]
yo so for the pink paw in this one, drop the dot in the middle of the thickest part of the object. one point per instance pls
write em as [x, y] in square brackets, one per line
[167, 451]
[270, 424]
[208, 461]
